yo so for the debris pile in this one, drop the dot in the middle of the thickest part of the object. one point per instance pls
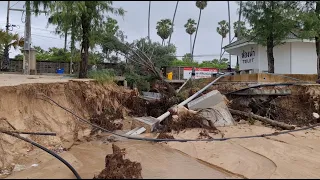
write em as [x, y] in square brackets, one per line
[116, 167]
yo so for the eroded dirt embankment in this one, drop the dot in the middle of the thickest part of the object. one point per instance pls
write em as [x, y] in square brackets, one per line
[26, 110]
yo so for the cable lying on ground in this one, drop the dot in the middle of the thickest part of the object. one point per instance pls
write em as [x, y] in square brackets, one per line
[172, 140]
[31, 133]
[46, 150]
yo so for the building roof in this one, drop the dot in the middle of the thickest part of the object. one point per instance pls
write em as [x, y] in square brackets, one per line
[291, 35]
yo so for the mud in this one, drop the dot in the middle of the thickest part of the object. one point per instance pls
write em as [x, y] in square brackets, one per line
[186, 121]
[204, 135]
[106, 120]
[116, 167]
[165, 136]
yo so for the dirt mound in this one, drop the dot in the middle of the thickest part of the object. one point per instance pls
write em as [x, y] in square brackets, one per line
[118, 168]
[186, 121]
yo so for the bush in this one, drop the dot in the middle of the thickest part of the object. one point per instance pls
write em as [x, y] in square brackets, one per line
[102, 76]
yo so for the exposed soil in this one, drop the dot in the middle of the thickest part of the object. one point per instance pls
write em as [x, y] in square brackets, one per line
[118, 168]
[165, 136]
[204, 135]
[186, 121]
[106, 120]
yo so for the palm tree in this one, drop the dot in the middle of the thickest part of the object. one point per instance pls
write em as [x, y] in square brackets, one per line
[164, 29]
[149, 13]
[174, 15]
[201, 5]
[238, 34]
[9, 40]
[223, 30]
[190, 29]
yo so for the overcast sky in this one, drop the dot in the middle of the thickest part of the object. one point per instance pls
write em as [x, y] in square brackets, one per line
[135, 25]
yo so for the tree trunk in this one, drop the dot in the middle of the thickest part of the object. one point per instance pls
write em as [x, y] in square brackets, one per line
[149, 12]
[263, 119]
[317, 41]
[85, 23]
[195, 36]
[72, 47]
[190, 44]
[221, 48]
[238, 63]
[270, 45]
[270, 56]
[174, 16]
[318, 55]
[65, 40]
[162, 42]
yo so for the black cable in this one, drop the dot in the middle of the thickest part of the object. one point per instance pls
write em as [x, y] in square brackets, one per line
[33, 133]
[46, 150]
[176, 140]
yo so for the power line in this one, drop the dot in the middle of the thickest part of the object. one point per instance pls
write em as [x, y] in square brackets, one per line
[15, 4]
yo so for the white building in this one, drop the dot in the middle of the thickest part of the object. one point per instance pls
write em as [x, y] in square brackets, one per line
[295, 56]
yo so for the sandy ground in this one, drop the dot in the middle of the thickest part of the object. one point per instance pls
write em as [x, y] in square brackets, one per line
[157, 161]
[16, 79]
[294, 155]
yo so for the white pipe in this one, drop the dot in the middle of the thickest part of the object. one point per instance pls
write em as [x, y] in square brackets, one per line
[165, 115]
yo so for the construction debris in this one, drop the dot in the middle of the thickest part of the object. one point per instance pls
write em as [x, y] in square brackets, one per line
[116, 167]
[263, 119]
[212, 107]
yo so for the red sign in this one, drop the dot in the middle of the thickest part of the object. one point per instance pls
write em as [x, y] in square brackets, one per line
[199, 72]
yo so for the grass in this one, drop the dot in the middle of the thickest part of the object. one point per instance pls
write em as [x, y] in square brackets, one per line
[102, 76]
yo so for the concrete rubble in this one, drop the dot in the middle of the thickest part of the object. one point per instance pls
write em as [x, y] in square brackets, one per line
[212, 106]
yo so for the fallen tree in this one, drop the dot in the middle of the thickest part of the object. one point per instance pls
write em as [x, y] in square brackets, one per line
[263, 119]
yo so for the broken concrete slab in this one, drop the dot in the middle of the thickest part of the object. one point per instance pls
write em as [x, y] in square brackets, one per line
[212, 106]
[217, 115]
[149, 123]
[210, 99]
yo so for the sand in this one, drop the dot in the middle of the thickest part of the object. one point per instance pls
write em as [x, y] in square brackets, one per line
[156, 160]
[294, 155]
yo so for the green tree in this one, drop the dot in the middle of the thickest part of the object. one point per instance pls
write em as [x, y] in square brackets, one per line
[242, 29]
[223, 30]
[90, 18]
[271, 22]
[8, 40]
[164, 29]
[190, 29]
[309, 19]
[187, 58]
[201, 5]
[145, 58]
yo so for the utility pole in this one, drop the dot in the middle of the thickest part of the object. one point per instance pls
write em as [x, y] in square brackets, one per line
[5, 64]
[27, 39]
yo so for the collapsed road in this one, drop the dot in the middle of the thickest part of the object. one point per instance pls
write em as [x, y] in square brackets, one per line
[85, 150]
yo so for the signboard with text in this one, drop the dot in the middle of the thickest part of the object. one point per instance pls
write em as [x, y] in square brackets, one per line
[248, 58]
[199, 72]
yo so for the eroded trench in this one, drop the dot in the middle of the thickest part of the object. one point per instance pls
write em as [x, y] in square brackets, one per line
[109, 105]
